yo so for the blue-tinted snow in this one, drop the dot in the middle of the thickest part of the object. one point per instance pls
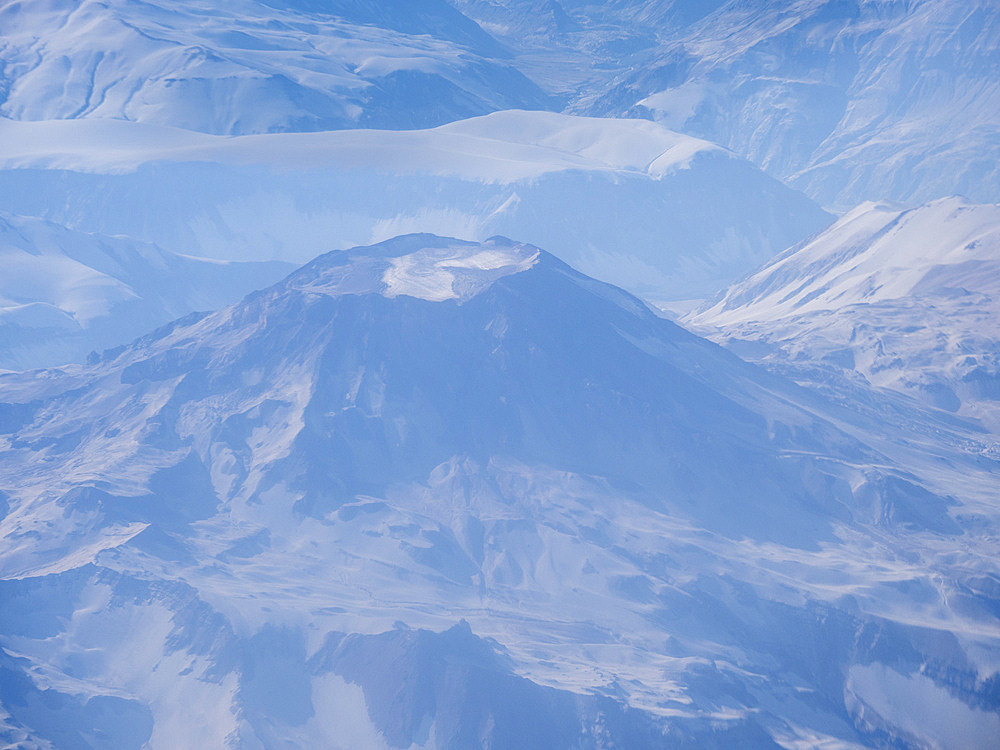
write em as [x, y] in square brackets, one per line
[452, 493]
[629, 515]
[631, 202]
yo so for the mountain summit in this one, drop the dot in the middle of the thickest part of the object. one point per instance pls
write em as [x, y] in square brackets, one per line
[373, 366]
[419, 266]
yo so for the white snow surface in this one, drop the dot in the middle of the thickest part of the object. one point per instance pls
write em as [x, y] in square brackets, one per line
[423, 267]
[923, 713]
[873, 254]
[437, 275]
[449, 493]
[846, 101]
[502, 147]
[908, 299]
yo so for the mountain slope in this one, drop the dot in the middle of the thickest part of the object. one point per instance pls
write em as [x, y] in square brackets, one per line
[263, 509]
[847, 101]
[64, 294]
[315, 66]
[907, 299]
[629, 201]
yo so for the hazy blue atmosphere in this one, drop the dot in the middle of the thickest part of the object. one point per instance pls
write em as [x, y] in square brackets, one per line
[529, 374]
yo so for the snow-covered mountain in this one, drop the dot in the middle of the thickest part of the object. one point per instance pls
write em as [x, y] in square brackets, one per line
[846, 100]
[906, 299]
[64, 294]
[264, 526]
[629, 201]
[453, 493]
[253, 66]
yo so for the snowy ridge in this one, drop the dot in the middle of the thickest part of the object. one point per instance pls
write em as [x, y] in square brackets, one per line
[907, 298]
[620, 199]
[193, 65]
[503, 147]
[846, 101]
[633, 145]
[873, 254]
[449, 490]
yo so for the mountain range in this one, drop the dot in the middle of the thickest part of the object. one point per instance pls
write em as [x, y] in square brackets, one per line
[318, 65]
[663, 214]
[822, 94]
[499, 373]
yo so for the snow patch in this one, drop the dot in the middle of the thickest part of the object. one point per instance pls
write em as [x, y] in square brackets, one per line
[436, 274]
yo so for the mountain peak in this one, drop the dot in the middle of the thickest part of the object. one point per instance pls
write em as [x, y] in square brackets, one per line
[423, 266]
